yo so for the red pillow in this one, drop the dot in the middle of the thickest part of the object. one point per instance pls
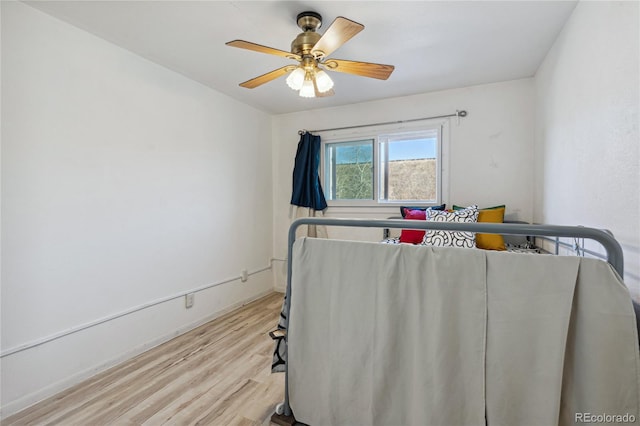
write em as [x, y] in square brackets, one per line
[413, 236]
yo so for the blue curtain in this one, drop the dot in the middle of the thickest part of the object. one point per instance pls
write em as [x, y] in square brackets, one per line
[307, 191]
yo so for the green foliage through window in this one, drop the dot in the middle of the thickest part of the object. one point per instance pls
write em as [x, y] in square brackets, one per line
[351, 174]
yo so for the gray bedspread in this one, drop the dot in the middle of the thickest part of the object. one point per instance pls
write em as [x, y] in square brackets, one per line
[404, 335]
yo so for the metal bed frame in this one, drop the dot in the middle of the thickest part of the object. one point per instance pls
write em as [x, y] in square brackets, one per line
[577, 247]
[613, 249]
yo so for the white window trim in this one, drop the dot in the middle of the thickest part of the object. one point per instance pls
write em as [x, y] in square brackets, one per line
[374, 132]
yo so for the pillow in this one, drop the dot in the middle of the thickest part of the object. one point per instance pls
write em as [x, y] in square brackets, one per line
[451, 238]
[403, 208]
[486, 208]
[490, 241]
[413, 236]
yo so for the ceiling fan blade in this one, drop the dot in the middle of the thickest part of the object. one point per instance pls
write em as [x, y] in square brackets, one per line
[364, 69]
[265, 78]
[339, 32]
[262, 49]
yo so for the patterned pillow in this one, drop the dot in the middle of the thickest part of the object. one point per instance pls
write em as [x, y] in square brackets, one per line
[451, 238]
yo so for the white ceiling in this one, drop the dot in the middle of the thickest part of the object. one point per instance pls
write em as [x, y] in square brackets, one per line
[434, 45]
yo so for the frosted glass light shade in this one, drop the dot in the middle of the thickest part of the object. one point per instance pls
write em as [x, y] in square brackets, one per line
[307, 90]
[323, 81]
[296, 79]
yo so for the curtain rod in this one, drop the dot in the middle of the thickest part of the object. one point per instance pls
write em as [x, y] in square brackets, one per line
[458, 114]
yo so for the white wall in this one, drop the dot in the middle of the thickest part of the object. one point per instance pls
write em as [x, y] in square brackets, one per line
[587, 140]
[490, 153]
[123, 184]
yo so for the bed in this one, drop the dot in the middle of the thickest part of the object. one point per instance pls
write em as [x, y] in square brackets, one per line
[397, 334]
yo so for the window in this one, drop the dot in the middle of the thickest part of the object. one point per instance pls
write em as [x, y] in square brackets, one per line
[350, 172]
[383, 168]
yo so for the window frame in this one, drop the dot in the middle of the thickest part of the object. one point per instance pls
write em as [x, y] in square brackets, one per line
[375, 133]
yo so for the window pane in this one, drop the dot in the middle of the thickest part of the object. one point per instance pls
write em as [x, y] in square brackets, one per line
[409, 168]
[349, 170]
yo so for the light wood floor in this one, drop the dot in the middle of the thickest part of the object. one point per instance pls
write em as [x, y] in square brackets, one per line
[217, 374]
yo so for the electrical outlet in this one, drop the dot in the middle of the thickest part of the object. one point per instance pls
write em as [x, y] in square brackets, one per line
[188, 300]
[245, 275]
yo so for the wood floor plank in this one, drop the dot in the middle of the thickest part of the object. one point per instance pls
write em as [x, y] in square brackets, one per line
[216, 374]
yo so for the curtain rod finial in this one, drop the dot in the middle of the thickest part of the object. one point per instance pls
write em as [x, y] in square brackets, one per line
[459, 114]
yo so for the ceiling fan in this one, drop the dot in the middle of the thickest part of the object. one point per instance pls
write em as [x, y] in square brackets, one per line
[311, 50]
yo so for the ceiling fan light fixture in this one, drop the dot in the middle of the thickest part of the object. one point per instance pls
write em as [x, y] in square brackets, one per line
[296, 79]
[307, 90]
[323, 81]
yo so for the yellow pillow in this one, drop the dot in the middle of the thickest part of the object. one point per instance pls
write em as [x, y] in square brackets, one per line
[491, 241]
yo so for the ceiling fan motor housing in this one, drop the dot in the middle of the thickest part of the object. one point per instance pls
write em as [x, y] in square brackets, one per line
[309, 22]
